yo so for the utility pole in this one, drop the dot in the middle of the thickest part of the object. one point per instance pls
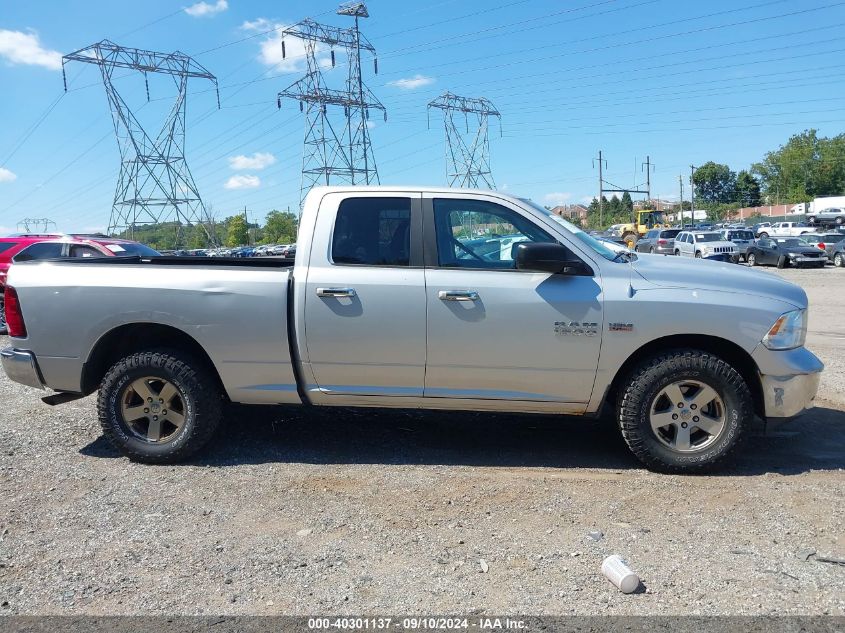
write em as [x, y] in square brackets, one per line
[691, 194]
[648, 167]
[681, 203]
[246, 220]
[601, 188]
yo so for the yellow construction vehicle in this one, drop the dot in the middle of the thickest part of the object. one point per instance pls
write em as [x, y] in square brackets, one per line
[646, 219]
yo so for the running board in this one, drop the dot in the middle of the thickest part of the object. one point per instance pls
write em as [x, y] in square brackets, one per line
[61, 398]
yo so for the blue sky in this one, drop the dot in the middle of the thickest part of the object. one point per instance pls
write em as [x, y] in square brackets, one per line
[682, 82]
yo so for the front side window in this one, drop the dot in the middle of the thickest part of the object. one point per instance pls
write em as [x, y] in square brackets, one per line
[79, 250]
[373, 232]
[481, 234]
[42, 250]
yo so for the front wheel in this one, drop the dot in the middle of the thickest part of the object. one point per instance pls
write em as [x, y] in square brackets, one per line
[782, 261]
[751, 258]
[811, 220]
[677, 253]
[159, 407]
[838, 260]
[684, 411]
[839, 220]
[698, 254]
[3, 327]
[763, 234]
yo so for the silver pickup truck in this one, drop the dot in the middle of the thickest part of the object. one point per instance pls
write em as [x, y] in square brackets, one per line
[419, 298]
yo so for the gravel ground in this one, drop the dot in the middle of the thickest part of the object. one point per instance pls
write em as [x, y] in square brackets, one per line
[390, 513]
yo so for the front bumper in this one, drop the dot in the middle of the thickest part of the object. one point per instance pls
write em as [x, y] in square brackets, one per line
[21, 367]
[790, 389]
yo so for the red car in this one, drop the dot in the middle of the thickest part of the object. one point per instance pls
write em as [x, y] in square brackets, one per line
[29, 246]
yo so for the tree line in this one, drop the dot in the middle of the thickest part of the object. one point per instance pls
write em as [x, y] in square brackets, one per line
[280, 227]
[807, 166]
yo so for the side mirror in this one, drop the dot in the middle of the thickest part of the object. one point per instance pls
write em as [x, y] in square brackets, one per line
[549, 258]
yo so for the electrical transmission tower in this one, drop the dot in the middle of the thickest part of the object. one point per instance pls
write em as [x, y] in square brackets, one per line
[36, 225]
[333, 153]
[155, 184]
[467, 156]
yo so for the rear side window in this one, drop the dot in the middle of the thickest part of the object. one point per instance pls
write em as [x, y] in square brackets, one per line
[373, 232]
[4, 246]
[43, 250]
[669, 234]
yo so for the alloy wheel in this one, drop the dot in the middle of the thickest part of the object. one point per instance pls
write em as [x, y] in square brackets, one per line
[153, 409]
[687, 416]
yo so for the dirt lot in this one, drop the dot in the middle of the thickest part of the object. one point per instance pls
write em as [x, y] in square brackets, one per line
[388, 513]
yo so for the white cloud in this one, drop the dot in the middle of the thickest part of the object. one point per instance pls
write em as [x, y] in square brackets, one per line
[18, 47]
[557, 197]
[412, 83]
[259, 160]
[270, 47]
[204, 9]
[243, 181]
[7, 176]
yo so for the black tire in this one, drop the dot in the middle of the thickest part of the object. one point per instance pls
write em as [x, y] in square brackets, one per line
[782, 263]
[751, 258]
[698, 254]
[677, 253]
[811, 220]
[3, 327]
[839, 220]
[651, 250]
[645, 383]
[763, 234]
[199, 390]
[838, 260]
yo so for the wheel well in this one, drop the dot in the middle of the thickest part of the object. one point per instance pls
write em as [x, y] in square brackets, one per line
[728, 351]
[136, 337]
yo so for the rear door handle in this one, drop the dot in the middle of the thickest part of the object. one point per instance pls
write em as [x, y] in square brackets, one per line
[335, 292]
[457, 295]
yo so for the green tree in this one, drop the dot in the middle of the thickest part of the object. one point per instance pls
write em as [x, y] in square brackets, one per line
[238, 231]
[280, 228]
[714, 183]
[747, 189]
[627, 203]
[804, 168]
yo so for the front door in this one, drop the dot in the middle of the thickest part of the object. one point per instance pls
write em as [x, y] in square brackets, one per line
[497, 333]
[365, 297]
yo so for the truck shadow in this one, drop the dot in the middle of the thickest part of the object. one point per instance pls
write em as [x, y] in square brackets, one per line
[256, 435]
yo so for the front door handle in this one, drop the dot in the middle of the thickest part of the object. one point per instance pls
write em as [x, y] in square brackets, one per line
[457, 295]
[335, 292]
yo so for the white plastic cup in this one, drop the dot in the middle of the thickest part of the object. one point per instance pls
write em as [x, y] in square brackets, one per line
[616, 570]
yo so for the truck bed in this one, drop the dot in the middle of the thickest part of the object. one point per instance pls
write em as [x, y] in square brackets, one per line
[235, 309]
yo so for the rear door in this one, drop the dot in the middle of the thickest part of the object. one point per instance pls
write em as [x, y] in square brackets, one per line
[365, 297]
[497, 333]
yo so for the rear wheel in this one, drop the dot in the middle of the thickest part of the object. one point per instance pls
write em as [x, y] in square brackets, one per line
[811, 219]
[684, 411]
[839, 220]
[3, 327]
[763, 234]
[838, 260]
[651, 250]
[698, 254]
[159, 407]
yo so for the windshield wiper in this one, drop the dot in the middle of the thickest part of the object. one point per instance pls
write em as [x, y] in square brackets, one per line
[628, 254]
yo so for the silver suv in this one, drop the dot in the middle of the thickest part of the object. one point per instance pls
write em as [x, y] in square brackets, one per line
[704, 245]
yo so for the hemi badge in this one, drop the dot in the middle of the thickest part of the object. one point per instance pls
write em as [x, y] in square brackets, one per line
[620, 327]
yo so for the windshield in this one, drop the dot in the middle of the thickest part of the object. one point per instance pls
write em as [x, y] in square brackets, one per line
[708, 237]
[131, 249]
[592, 243]
[740, 235]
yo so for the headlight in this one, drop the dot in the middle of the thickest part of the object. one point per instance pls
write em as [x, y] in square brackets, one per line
[788, 332]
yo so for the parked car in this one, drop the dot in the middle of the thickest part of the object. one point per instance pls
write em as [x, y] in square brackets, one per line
[37, 246]
[786, 229]
[704, 245]
[838, 254]
[289, 252]
[823, 241]
[828, 217]
[742, 238]
[377, 312]
[785, 251]
[761, 227]
[658, 241]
